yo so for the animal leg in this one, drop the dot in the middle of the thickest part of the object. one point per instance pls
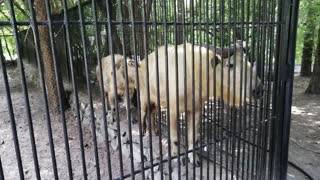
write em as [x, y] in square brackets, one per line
[193, 158]
[173, 133]
[154, 122]
[143, 114]
[112, 102]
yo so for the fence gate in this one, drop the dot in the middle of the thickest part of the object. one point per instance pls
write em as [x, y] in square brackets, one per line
[146, 89]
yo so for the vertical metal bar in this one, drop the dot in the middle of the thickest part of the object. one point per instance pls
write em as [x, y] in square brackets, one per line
[227, 123]
[265, 106]
[10, 108]
[208, 90]
[75, 88]
[241, 9]
[132, 12]
[287, 55]
[177, 85]
[167, 86]
[253, 43]
[128, 111]
[228, 113]
[262, 102]
[59, 91]
[158, 91]
[115, 86]
[221, 105]
[215, 9]
[102, 94]
[269, 95]
[246, 121]
[274, 134]
[234, 112]
[256, 127]
[185, 81]
[145, 44]
[192, 16]
[25, 92]
[200, 108]
[263, 78]
[1, 169]
[93, 124]
[41, 76]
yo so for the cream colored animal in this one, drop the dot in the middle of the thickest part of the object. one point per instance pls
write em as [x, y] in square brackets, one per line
[241, 72]
[108, 81]
[213, 65]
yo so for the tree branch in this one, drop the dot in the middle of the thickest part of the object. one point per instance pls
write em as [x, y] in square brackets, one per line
[7, 17]
[21, 9]
[6, 44]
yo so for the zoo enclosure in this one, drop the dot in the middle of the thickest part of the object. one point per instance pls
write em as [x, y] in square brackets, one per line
[267, 27]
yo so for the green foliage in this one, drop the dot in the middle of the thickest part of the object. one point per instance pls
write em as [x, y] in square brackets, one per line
[22, 14]
[304, 7]
[194, 16]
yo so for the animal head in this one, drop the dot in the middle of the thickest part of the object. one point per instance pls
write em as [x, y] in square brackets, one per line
[239, 77]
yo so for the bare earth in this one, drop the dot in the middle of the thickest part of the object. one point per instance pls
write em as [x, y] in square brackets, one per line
[304, 149]
[304, 140]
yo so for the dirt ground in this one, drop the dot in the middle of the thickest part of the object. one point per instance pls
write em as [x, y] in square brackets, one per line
[304, 149]
[304, 140]
[39, 121]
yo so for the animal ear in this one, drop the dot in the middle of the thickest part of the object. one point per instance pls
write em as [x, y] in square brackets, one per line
[225, 52]
[215, 61]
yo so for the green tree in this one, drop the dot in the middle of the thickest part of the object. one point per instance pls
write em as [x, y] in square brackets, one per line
[47, 59]
[308, 44]
[314, 85]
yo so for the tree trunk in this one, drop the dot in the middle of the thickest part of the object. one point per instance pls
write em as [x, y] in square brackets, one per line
[308, 44]
[314, 85]
[127, 29]
[47, 59]
[180, 20]
[138, 10]
[117, 47]
[116, 41]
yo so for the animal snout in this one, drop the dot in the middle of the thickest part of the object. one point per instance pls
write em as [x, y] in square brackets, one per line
[258, 91]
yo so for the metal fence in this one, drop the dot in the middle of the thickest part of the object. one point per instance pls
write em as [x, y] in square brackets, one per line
[209, 84]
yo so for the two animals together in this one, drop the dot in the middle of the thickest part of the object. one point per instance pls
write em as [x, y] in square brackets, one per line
[229, 72]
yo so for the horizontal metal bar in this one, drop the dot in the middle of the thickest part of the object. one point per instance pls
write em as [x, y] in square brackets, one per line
[61, 22]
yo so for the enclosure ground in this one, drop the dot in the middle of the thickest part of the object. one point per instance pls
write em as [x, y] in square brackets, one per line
[304, 141]
[304, 148]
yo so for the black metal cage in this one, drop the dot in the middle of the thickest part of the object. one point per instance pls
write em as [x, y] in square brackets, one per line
[61, 109]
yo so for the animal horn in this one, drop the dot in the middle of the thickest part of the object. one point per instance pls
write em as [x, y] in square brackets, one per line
[224, 53]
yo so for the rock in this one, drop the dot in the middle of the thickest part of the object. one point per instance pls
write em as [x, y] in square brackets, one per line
[157, 175]
[126, 150]
[114, 144]
[136, 153]
[112, 133]
[100, 137]
[109, 119]
[175, 173]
